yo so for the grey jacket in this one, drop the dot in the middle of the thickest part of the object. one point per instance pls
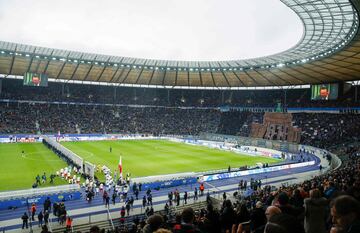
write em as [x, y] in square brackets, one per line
[315, 215]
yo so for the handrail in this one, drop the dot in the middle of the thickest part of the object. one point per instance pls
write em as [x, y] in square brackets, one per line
[111, 221]
[49, 225]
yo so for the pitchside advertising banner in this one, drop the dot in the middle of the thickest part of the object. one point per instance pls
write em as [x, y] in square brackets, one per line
[71, 137]
[258, 142]
[20, 138]
[9, 204]
[169, 183]
[221, 176]
[19, 198]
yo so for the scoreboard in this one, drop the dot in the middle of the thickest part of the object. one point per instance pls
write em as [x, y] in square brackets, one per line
[324, 91]
[36, 80]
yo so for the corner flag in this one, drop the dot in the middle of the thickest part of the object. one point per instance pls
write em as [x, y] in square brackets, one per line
[120, 167]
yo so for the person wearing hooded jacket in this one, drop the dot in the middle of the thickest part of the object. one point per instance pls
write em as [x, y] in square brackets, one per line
[315, 212]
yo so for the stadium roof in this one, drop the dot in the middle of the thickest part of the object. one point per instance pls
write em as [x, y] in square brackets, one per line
[328, 52]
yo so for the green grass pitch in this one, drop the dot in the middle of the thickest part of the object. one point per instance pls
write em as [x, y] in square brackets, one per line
[18, 171]
[157, 157]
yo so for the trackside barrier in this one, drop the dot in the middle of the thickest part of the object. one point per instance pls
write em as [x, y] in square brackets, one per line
[77, 160]
[335, 162]
[227, 175]
[14, 199]
[248, 141]
[200, 177]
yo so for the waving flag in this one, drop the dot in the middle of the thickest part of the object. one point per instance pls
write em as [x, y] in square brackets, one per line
[120, 167]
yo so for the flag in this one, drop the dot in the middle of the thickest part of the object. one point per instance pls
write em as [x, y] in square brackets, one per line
[58, 136]
[120, 167]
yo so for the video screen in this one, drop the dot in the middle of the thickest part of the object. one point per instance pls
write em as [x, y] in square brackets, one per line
[35, 80]
[324, 91]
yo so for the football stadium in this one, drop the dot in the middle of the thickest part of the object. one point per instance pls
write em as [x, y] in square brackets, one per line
[179, 116]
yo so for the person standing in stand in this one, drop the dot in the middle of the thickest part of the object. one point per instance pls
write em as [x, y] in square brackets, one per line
[25, 219]
[33, 211]
[144, 201]
[195, 194]
[113, 198]
[107, 201]
[47, 204]
[68, 224]
[202, 188]
[40, 217]
[185, 197]
[46, 217]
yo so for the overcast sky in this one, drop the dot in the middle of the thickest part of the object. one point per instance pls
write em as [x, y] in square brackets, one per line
[158, 29]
